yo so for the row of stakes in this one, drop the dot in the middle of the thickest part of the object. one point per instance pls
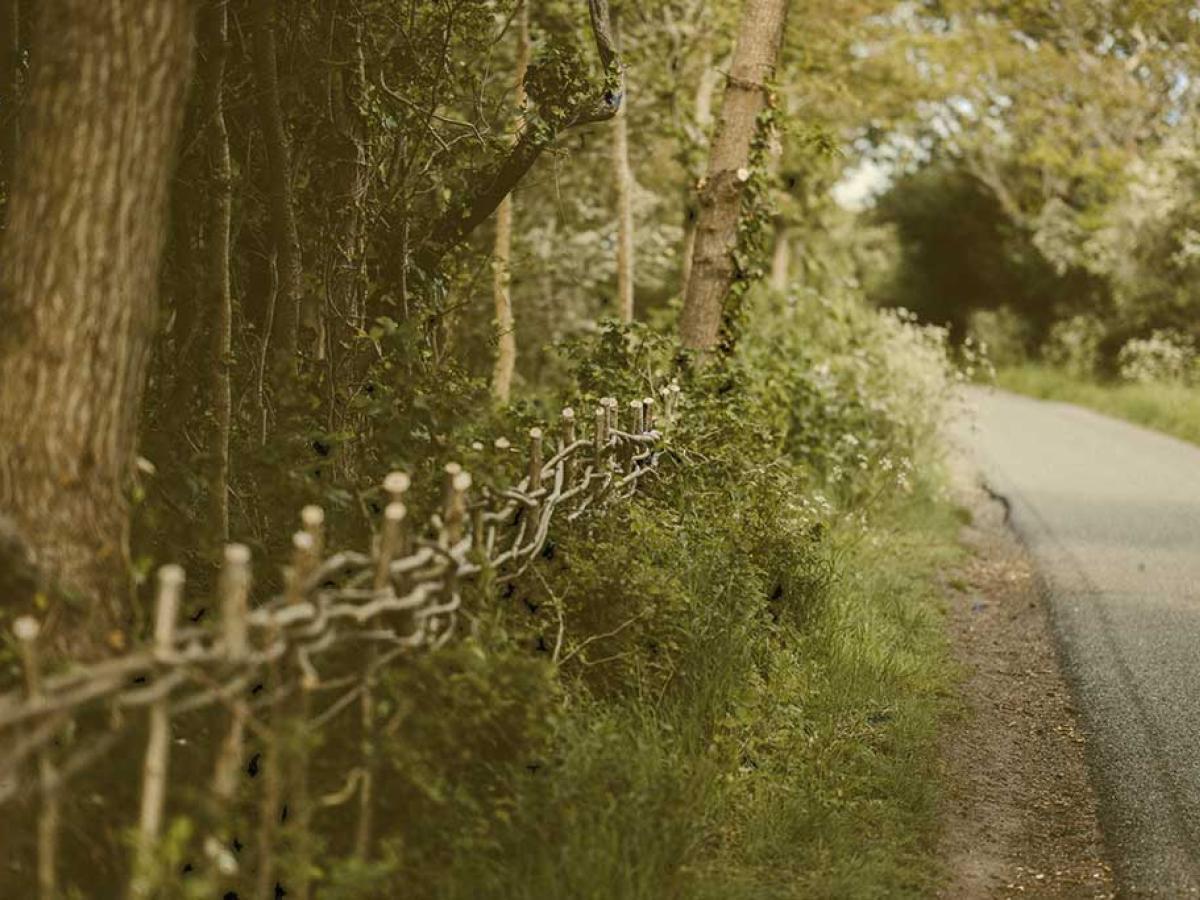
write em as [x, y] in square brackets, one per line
[308, 546]
[394, 540]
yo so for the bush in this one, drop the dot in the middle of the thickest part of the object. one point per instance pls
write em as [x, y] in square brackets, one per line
[1074, 345]
[1166, 357]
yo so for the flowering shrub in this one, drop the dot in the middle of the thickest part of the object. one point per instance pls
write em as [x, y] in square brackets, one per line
[1074, 345]
[863, 393]
[1167, 356]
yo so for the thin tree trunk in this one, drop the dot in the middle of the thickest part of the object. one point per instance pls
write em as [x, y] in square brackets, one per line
[285, 235]
[624, 182]
[690, 215]
[703, 120]
[78, 287]
[10, 79]
[506, 348]
[346, 225]
[214, 23]
[623, 178]
[781, 256]
[713, 271]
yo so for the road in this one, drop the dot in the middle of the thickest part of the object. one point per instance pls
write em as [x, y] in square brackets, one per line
[1111, 515]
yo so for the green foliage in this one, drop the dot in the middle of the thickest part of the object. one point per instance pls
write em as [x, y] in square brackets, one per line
[557, 82]
[662, 707]
[960, 252]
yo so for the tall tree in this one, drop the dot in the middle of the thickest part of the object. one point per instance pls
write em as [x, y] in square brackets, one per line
[623, 180]
[78, 275]
[506, 347]
[702, 121]
[214, 30]
[759, 36]
[10, 94]
[283, 315]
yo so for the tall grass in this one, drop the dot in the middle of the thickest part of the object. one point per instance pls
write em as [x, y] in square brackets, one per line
[1170, 408]
[813, 776]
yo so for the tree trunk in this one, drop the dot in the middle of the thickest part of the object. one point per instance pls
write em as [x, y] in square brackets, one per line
[506, 348]
[781, 256]
[623, 178]
[78, 286]
[10, 94]
[624, 182]
[218, 298]
[712, 272]
[689, 245]
[285, 236]
[345, 248]
[703, 119]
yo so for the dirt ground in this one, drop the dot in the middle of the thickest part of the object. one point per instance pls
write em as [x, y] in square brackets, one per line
[1020, 815]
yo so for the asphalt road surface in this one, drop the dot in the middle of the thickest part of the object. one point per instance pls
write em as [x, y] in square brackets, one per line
[1111, 515]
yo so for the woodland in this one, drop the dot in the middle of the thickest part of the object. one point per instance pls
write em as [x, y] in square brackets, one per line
[259, 254]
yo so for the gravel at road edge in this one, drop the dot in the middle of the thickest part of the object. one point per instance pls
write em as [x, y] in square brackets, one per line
[1019, 817]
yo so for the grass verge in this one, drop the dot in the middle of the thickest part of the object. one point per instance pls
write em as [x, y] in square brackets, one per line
[1169, 408]
[814, 775]
[839, 794]
[730, 689]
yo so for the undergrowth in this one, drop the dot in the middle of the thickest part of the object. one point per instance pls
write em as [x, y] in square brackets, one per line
[728, 689]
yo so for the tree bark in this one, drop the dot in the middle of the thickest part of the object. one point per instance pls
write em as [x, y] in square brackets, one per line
[10, 95]
[623, 180]
[506, 345]
[781, 256]
[703, 120]
[78, 289]
[285, 235]
[214, 25]
[712, 272]
[345, 246]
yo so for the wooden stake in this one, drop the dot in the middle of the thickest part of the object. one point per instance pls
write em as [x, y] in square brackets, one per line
[610, 404]
[568, 438]
[158, 744]
[304, 559]
[397, 485]
[671, 400]
[600, 435]
[638, 426]
[390, 540]
[535, 459]
[455, 513]
[235, 597]
[234, 589]
[272, 789]
[234, 594]
[26, 630]
[313, 520]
